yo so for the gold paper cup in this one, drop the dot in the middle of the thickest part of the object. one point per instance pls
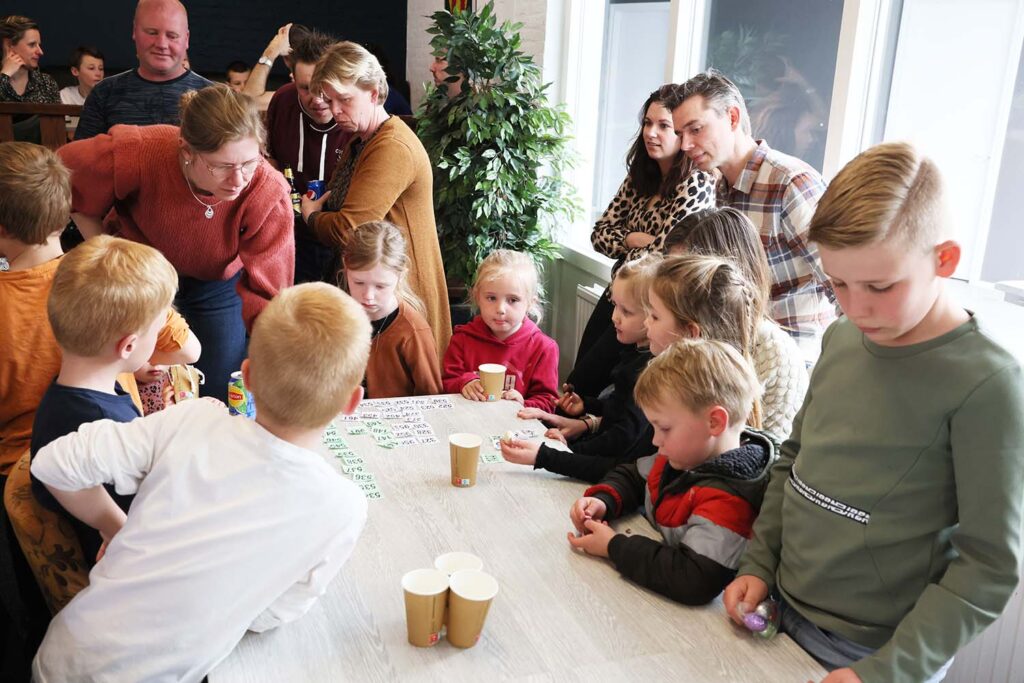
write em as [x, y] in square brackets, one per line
[449, 563]
[465, 454]
[492, 377]
[426, 597]
[470, 595]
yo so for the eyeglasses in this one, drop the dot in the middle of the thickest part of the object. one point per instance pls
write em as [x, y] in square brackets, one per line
[225, 171]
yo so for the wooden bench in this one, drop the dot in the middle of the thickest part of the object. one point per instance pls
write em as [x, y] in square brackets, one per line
[51, 120]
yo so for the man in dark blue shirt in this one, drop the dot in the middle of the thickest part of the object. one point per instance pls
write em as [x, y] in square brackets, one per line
[148, 94]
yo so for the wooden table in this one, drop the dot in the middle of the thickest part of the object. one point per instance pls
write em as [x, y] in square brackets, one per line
[559, 614]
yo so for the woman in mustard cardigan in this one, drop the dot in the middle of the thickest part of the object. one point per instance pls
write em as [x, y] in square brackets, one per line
[383, 173]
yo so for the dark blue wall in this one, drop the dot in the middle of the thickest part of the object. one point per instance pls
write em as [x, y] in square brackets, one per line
[221, 30]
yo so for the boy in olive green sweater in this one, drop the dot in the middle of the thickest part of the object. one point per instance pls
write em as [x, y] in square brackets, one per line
[891, 528]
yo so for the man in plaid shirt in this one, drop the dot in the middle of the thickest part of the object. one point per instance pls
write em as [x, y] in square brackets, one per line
[777, 192]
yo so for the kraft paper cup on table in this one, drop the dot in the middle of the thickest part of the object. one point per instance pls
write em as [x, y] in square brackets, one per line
[426, 596]
[492, 377]
[469, 599]
[465, 454]
[449, 563]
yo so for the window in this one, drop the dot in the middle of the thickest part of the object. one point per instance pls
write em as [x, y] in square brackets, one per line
[632, 67]
[823, 80]
[782, 56]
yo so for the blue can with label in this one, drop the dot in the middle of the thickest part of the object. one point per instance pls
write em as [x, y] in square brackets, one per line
[315, 189]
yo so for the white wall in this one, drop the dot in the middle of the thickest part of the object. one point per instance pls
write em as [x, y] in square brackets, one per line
[531, 13]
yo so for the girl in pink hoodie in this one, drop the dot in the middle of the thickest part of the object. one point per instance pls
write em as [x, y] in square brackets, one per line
[505, 293]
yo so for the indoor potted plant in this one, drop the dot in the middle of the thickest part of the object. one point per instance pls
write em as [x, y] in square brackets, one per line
[498, 147]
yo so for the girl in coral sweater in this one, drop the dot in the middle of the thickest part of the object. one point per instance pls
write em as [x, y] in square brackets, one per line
[505, 292]
[403, 355]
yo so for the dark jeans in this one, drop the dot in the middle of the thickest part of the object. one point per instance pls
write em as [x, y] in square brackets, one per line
[598, 352]
[314, 261]
[213, 310]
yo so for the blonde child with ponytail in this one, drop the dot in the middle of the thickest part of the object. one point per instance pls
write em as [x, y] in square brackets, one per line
[778, 361]
[403, 356]
[695, 295]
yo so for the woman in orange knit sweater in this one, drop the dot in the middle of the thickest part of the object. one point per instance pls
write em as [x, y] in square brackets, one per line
[384, 173]
[403, 356]
[204, 196]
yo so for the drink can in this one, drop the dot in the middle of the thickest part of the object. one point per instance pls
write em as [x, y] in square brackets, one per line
[239, 399]
[315, 189]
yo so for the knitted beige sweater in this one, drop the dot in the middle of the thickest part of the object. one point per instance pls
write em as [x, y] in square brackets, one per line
[780, 367]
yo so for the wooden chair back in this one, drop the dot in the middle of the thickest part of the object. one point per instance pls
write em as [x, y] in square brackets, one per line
[51, 120]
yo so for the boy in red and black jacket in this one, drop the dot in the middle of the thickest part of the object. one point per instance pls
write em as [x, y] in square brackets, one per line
[703, 488]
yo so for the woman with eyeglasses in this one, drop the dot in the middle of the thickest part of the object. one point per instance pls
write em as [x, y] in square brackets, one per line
[203, 195]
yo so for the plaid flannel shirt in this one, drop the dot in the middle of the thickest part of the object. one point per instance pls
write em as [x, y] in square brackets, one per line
[779, 193]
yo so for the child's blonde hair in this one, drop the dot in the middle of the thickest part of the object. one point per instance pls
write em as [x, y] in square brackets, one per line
[380, 242]
[636, 275]
[712, 293]
[106, 288]
[35, 192]
[889, 192]
[216, 115]
[700, 373]
[307, 354]
[502, 262]
[727, 232]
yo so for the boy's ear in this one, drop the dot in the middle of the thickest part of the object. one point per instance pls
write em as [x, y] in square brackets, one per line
[947, 255]
[126, 345]
[245, 374]
[718, 420]
[74, 71]
[353, 401]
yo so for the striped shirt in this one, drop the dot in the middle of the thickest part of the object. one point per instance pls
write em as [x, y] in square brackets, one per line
[130, 98]
[779, 193]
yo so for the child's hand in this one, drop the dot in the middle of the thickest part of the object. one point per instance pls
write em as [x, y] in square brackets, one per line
[512, 395]
[555, 433]
[595, 540]
[585, 509]
[474, 391]
[746, 589]
[520, 452]
[534, 414]
[570, 402]
[844, 675]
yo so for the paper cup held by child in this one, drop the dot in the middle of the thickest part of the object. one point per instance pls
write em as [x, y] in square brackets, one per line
[426, 595]
[492, 377]
[465, 454]
[469, 600]
[449, 563]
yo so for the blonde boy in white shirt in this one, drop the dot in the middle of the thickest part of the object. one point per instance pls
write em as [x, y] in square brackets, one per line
[236, 524]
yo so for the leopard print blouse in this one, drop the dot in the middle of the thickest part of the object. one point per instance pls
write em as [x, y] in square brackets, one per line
[629, 212]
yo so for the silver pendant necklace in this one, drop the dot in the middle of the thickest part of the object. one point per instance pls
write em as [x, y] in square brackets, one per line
[209, 207]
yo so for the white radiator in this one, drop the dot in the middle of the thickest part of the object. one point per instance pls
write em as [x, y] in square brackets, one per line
[587, 297]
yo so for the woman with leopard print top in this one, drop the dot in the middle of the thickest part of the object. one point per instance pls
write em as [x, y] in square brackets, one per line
[658, 193]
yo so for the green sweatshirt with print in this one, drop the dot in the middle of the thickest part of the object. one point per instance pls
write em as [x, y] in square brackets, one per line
[893, 516]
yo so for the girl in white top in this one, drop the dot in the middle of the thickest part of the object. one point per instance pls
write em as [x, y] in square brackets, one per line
[777, 358]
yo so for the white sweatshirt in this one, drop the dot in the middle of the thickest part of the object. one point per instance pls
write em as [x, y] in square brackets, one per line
[231, 529]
